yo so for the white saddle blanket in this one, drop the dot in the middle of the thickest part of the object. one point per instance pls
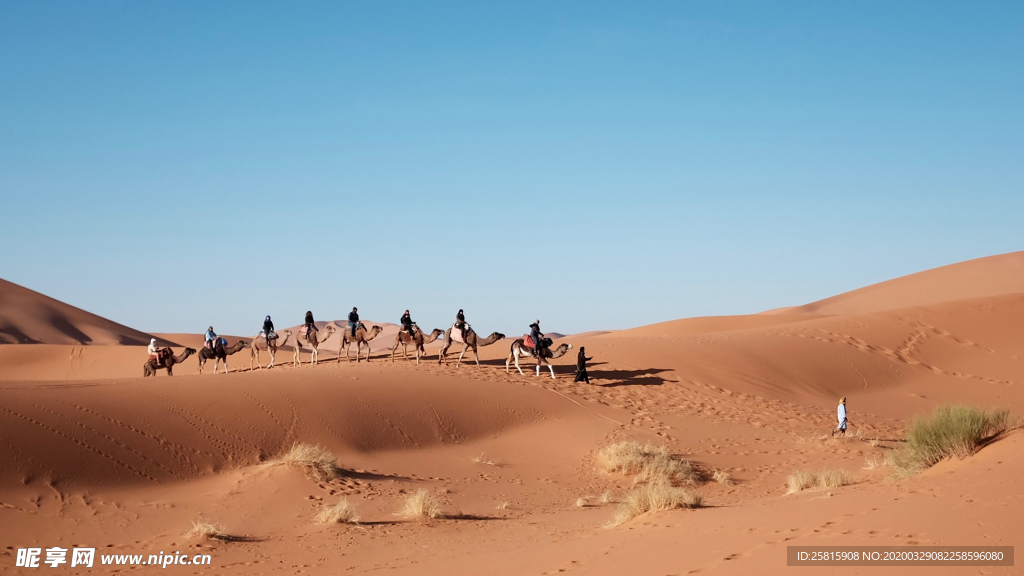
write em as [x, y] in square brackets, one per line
[457, 335]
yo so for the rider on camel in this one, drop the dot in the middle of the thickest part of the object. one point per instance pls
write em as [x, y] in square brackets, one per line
[310, 324]
[353, 320]
[407, 323]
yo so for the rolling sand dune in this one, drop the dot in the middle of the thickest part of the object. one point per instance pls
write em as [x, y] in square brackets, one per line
[28, 317]
[990, 276]
[102, 457]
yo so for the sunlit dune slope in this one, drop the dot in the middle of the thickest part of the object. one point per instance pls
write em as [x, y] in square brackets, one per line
[989, 276]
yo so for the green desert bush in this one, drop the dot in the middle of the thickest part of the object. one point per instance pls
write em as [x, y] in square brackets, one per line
[657, 495]
[648, 462]
[819, 480]
[952, 430]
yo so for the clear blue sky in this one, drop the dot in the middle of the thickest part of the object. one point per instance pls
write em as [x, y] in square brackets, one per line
[170, 165]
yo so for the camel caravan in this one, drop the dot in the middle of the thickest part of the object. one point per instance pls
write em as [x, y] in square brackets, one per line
[309, 336]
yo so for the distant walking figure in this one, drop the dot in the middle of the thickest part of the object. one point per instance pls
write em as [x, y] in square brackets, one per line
[581, 366]
[841, 415]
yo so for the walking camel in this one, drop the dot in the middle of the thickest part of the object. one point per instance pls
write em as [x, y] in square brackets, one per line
[313, 339]
[417, 339]
[219, 353]
[520, 349]
[270, 346]
[150, 367]
[469, 341]
[363, 336]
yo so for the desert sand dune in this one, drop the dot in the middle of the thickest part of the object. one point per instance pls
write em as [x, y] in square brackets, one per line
[989, 276]
[99, 456]
[28, 317]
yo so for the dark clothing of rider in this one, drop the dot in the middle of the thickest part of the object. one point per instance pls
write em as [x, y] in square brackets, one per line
[268, 328]
[310, 324]
[537, 336]
[406, 322]
[353, 321]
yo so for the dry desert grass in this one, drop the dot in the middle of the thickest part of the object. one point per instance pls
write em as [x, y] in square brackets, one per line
[647, 462]
[722, 477]
[206, 531]
[341, 513]
[953, 430]
[318, 463]
[421, 504]
[653, 496]
[821, 480]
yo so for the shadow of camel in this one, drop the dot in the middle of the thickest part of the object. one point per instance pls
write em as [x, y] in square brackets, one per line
[644, 377]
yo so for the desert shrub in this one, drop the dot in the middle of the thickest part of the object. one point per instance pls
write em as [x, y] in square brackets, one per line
[317, 462]
[952, 430]
[205, 531]
[421, 504]
[658, 495]
[341, 513]
[820, 480]
[647, 462]
[722, 477]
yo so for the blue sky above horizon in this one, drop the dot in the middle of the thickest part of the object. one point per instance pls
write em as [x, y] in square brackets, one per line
[596, 165]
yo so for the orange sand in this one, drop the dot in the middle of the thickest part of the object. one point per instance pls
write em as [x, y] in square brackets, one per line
[95, 455]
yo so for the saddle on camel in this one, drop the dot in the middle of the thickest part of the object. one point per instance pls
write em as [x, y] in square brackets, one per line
[159, 358]
[528, 340]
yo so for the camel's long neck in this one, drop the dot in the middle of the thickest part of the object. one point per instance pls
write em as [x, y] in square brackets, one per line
[560, 351]
[427, 339]
[182, 358]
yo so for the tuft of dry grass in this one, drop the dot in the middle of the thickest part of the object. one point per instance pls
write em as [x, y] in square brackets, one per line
[421, 504]
[581, 501]
[722, 477]
[317, 462]
[483, 459]
[653, 496]
[505, 505]
[952, 430]
[606, 497]
[341, 513]
[820, 480]
[871, 463]
[206, 531]
[647, 461]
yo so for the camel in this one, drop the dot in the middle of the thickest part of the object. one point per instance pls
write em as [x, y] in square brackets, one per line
[150, 367]
[271, 347]
[417, 339]
[314, 341]
[519, 348]
[469, 341]
[363, 336]
[219, 353]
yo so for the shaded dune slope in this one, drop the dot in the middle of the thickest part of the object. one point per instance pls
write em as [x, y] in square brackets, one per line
[28, 317]
[98, 433]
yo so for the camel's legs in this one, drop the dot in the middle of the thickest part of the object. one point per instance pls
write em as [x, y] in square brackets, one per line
[476, 353]
[465, 347]
[552, 368]
[516, 354]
